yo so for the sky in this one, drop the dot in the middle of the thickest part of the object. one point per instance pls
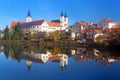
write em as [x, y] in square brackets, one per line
[76, 10]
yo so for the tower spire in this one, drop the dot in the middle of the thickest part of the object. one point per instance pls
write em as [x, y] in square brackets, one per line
[29, 14]
[65, 15]
[62, 14]
[29, 17]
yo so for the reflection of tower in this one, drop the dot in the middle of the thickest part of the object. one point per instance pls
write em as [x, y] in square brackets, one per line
[72, 52]
[29, 63]
[63, 20]
[29, 17]
[64, 60]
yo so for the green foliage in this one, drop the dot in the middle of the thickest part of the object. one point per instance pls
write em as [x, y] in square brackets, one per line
[17, 33]
[55, 36]
[63, 36]
[34, 36]
[6, 33]
[42, 39]
[28, 36]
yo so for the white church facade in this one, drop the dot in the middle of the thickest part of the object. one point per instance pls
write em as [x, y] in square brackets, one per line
[42, 25]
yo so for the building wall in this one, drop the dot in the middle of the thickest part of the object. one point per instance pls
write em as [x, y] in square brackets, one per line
[37, 28]
[106, 24]
[110, 25]
[53, 28]
[76, 27]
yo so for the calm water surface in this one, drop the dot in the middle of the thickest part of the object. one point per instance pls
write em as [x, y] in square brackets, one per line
[57, 63]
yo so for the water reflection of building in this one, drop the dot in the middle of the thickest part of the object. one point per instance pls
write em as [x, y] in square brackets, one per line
[64, 60]
[29, 63]
[92, 54]
[37, 57]
[45, 56]
[79, 54]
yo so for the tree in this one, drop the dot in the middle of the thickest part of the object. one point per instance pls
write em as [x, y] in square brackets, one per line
[17, 32]
[63, 36]
[6, 33]
[55, 36]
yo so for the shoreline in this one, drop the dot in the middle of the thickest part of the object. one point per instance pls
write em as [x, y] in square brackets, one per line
[61, 43]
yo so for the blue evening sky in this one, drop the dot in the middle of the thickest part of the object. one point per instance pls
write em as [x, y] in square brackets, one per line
[77, 10]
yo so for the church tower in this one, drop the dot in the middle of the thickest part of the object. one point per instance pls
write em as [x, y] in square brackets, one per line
[29, 63]
[29, 17]
[66, 20]
[63, 21]
[64, 60]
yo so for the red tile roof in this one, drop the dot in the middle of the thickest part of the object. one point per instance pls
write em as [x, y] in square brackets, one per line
[54, 58]
[98, 31]
[107, 20]
[13, 24]
[53, 24]
[84, 24]
[37, 22]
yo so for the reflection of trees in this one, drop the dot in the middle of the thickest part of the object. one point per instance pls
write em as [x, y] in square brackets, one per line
[59, 50]
[15, 51]
[6, 51]
[82, 54]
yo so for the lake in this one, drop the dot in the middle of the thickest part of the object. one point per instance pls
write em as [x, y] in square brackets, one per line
[57, 63]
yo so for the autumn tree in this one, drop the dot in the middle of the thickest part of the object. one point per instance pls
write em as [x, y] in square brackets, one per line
[55, 36]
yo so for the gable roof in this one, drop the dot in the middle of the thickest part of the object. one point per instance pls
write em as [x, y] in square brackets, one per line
[37, 22]
[98, 31]
[84, 24]
[106, 20]
[53, 24]
[13, 24]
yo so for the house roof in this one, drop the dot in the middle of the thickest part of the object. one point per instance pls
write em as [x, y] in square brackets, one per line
[53, 24]
[106, 20]
[98, 31]
[84, 24]
[82, 31]
[13, 24]
[37, 22]
[54, 58]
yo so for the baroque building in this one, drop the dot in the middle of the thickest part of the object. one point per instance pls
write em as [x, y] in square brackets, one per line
[42, 25]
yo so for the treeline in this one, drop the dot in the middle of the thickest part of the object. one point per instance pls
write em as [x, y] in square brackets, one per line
[14, 33]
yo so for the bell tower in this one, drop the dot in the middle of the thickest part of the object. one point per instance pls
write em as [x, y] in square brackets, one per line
[63, 21]
[29, 17]
[66, 21]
